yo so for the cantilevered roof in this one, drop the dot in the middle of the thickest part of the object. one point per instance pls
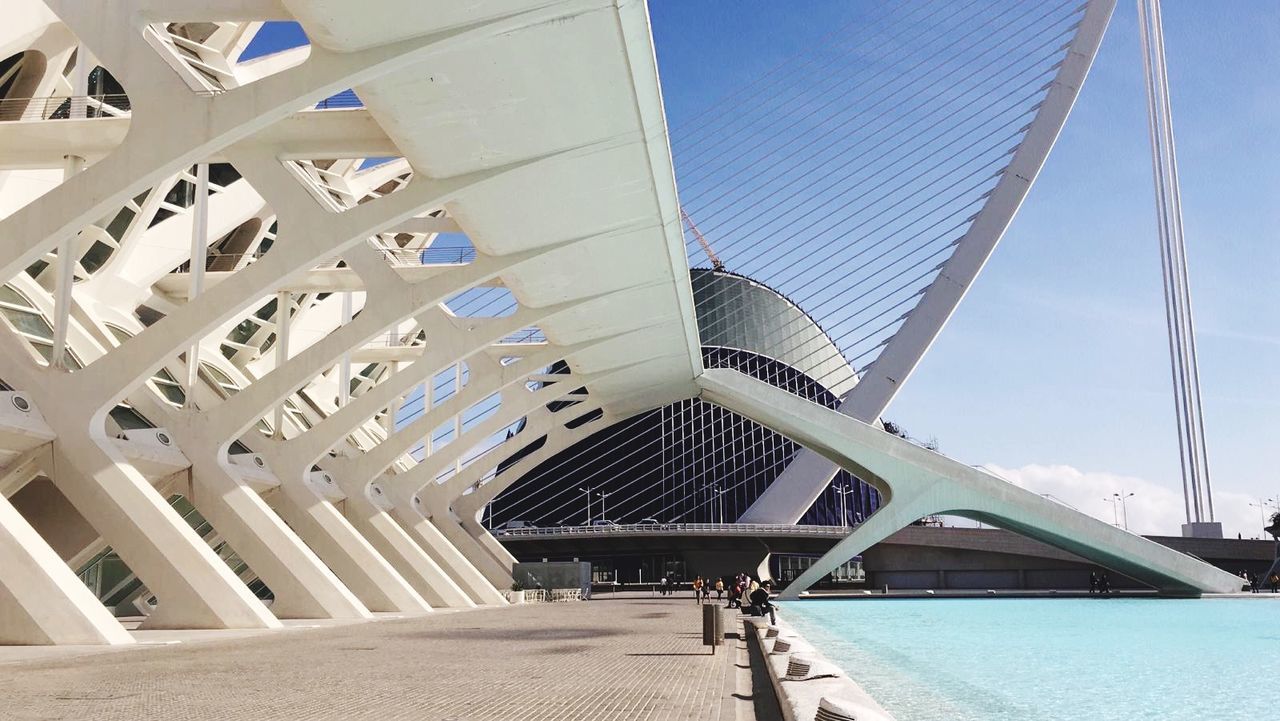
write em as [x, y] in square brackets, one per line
[576, 96]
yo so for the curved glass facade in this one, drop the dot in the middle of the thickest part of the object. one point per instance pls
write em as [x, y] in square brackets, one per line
[695, 462]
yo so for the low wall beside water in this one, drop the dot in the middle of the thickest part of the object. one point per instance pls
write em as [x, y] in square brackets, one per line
[808, 686]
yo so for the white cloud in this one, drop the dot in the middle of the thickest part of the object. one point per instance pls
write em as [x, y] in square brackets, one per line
[1154, 509]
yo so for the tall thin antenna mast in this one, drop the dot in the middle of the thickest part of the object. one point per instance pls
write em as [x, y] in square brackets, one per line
[1183, 363]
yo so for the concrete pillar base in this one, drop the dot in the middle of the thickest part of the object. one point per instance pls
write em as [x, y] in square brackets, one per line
[303, 586]
[42, 602]
[356, 562]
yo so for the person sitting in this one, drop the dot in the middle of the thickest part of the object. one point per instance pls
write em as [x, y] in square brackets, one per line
[735, 596]
[760, 602]
[744, 601]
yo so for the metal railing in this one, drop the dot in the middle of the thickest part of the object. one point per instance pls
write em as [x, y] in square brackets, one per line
[221, 261]
[446, 256]
[116, 105]
[528, 335]
[395, 257]
[395, 340]
[341, 101]
[727, 529]
[404, 257]
[64, 107]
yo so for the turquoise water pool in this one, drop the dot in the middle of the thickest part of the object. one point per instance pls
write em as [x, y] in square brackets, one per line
[1031, 659]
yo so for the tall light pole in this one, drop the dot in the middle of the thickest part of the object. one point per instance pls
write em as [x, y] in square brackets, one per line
[1184, 365]
[587, 491]
[1115, 509]
[1261, 505]
[1124, 507]
[603, 516]
[716, 489]
[844, 490]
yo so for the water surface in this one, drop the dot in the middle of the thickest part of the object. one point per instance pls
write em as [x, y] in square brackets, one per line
[1055, 659]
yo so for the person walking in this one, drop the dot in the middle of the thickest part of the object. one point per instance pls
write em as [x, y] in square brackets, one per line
[666, 585]
[697, 590]
[719, 589]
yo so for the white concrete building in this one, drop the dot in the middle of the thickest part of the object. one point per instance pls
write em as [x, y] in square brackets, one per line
[222, 278]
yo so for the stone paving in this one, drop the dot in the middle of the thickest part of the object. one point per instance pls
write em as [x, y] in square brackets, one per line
[624, 658]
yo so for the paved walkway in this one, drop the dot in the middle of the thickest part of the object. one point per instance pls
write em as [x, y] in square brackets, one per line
[626, 658]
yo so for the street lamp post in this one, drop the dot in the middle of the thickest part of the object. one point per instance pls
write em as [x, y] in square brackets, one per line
[719, 503]
[844, 490]
[1124, 507]
[1262, 511]
[587, 491]
[1115, 510]
[603, 516]
[1262, 505]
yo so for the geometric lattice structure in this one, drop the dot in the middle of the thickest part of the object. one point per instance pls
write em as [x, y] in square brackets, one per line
[270, 255]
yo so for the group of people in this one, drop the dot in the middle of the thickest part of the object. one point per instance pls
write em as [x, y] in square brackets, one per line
[1100, 583]
[744, 593]
[702, 589]
[1256, 584]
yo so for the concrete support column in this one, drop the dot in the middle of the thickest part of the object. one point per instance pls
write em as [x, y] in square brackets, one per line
[199, 249]
[457, 419]
[344, 365]
[448, 556]
[470, 548]
[428, 402]
[303, 586]
[356, 562]
[284, 299]
[405, 554]
[194, 587]
[68, 256]
[41, 600]
[488, 542]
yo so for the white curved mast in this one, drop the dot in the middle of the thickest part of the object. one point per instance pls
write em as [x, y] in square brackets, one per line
[1183, 363]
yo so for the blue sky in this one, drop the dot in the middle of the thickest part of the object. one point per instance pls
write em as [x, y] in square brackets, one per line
[1055, 368]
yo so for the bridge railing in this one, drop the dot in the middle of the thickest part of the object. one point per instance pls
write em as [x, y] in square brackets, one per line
[117, 105]
[728, 529]
[64, 107]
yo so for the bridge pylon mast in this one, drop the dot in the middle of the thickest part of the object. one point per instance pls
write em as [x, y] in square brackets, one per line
[1183, 363]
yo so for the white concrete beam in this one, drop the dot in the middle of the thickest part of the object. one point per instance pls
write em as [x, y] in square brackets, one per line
[915, 482]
